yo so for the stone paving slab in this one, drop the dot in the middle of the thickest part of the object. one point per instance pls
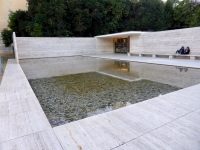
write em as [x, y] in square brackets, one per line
[20, 112]
[18, 125]
[18, 106]
[45, 140]
[183, 133]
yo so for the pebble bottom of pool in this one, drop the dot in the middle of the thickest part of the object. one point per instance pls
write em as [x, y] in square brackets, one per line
[73, 97]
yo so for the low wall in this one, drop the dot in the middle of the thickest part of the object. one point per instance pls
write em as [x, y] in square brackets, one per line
[166, 42]
[32, 47]
[104, 46]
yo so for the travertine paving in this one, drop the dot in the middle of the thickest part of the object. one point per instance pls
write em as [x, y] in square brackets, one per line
[169, 121]
[23, 124]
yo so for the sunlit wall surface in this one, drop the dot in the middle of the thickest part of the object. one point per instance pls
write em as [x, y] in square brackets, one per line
[9, 5]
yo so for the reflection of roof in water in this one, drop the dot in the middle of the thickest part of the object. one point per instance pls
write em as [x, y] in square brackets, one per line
[128, 76]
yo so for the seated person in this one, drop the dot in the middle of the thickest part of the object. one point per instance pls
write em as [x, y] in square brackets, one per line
[187, 50]
[181, 51]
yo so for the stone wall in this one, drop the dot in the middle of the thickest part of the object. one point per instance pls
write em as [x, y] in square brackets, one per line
[104, 46]
[166, 42]
[32, 47]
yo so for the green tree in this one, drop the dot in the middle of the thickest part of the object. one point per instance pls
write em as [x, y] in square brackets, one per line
[94, 17]
[182, 14]
[6, 37]
[149, 15]
[18, 22]
[47, 18]
[126, 22]
[86, 18]
[169, 14]
[195, 16]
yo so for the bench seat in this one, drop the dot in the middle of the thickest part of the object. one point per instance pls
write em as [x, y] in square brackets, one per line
[192, 57]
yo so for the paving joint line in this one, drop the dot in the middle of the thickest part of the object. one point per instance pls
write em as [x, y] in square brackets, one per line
[154, 129]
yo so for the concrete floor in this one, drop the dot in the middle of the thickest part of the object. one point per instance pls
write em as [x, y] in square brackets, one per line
[169, 121]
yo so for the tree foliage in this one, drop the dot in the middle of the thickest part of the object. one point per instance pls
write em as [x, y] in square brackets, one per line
[86, 18]
[47, 18]
[186, 14]
[18, 22]
[6, 37]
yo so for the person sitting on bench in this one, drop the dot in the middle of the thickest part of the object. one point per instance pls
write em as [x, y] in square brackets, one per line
[187, 50]
[181, 51]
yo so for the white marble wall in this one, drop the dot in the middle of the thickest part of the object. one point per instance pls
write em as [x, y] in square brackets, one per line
[104, 46]
[32, 47]
[166, 42]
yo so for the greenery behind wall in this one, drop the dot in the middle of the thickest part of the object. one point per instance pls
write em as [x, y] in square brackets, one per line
[88, 18]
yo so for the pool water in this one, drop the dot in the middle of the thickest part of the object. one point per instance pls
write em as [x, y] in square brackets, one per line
[73, 97]
[73, 88]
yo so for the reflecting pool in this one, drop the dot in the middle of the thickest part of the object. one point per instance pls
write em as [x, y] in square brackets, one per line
[73, 88]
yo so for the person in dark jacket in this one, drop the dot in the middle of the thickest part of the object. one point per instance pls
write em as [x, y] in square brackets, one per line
[181, 51]
[187, 50]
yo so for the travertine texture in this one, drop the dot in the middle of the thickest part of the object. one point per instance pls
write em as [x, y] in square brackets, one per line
[166, 42]
[23, 124]
[104, 46]
[30, 47]
[15, 47]
[45, 140]
[55, 47]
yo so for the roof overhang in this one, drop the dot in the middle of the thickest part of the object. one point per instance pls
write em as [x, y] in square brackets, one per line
[121, 34]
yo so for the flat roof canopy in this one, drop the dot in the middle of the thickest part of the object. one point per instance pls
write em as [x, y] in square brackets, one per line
[121, 34]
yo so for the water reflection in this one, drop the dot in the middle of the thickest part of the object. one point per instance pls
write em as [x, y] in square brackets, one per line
[129, 71]
[122, 65]
[108, 108]
[185, 69]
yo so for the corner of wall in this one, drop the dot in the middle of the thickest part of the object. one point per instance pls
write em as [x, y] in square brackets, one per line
[15, 47]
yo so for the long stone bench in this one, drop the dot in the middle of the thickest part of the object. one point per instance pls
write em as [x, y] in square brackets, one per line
[192, 57]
